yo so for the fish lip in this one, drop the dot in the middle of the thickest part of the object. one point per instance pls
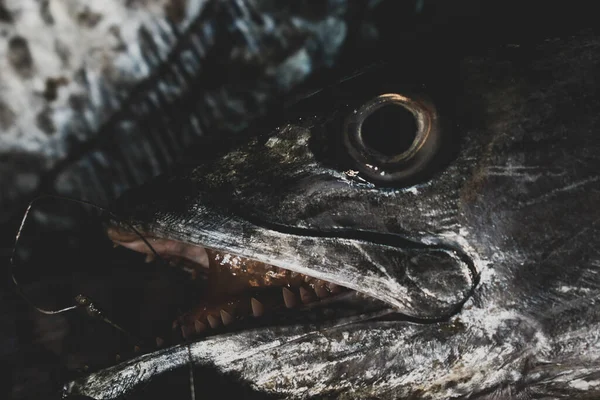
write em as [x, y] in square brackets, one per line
[121, 234]
[438, 243]
[119, 373]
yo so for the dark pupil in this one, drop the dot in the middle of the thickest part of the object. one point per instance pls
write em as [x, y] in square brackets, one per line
[389, 130]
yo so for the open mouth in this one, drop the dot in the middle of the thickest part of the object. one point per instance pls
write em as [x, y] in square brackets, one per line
[231, 292]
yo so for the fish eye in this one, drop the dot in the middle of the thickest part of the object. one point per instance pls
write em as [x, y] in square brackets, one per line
[392, 138]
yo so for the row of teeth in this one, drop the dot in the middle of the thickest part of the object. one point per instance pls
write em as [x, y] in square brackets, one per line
[290, 299]
[315, 290]
[225, 318]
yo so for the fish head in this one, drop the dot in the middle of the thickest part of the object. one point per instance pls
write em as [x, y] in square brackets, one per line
[467, 209]
[312, 196]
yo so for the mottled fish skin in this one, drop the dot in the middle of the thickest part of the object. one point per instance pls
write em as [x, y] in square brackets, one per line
[68, 66]
[97, 98]
[519, 199]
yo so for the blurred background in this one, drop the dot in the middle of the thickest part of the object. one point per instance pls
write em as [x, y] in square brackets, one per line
[98, 97]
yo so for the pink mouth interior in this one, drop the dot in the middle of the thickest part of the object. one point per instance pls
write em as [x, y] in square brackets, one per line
[230, 289]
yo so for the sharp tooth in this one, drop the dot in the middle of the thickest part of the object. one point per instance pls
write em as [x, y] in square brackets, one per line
[150, 257]
[159, 341]
[186, 331]
[226, 317]
[306, 296]
[257, 308]
[202, 258]
[213, 321]
[321, 291]
[118, 358]
[136, 349]
[115, 244]
[335, 289]
[200, 326]
[289, 298]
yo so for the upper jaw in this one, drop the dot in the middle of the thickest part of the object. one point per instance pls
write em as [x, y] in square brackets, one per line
[423, 282]
[235, 293]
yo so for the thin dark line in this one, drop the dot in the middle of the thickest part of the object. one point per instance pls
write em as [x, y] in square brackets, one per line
[13, 262]
[192, 382]
[388, 239]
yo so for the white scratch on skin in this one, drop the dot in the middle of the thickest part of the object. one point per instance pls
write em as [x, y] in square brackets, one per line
[272, 141]
[558, 191]
[414, 190]
[368, 257]
[528, 174]
[567, 289]
[580, 384]
[525, 176]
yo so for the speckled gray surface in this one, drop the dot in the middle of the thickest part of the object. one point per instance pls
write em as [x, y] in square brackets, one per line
[65, 68]
[82, 83]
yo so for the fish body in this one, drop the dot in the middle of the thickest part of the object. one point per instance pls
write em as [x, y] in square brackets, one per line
[486, 262]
